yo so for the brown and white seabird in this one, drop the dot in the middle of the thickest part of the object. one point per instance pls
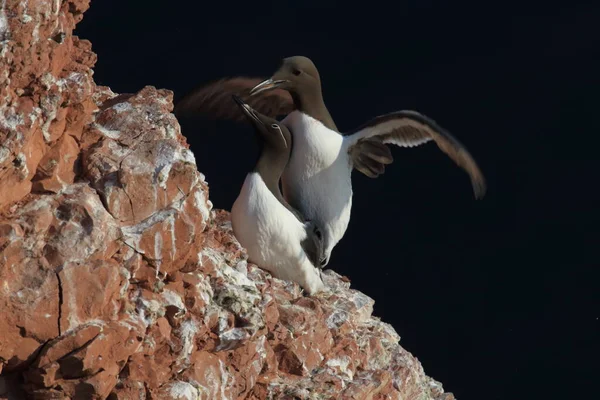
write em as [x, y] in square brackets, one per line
[317, 179]
[277, 237]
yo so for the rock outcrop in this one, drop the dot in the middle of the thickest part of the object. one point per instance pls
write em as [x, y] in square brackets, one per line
[119, 281]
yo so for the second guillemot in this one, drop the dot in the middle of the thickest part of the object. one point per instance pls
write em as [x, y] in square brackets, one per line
[317, 179]
[276, 236]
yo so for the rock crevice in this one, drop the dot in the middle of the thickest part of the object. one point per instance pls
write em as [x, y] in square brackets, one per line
[117, 278]
[60, 302]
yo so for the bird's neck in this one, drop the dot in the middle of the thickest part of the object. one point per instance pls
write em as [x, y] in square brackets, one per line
[310, 102]
[270, 167]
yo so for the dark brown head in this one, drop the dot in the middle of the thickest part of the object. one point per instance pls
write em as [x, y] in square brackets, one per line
[271, 134]
[299, 76]
[296, 74]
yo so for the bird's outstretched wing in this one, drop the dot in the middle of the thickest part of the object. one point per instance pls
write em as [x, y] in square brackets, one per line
[408, 129]
[215, 100]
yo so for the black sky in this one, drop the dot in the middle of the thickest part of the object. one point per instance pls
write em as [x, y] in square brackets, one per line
[497, 298]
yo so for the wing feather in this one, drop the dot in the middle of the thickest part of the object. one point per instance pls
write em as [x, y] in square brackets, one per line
[409, 129]
[215, 100]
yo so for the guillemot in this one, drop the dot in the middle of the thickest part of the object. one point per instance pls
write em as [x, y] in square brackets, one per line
[317, 179]
[276, 236]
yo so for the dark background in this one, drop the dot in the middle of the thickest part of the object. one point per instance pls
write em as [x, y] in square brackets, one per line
[497, 298]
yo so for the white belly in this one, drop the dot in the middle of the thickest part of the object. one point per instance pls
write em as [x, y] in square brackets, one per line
[317, 179]
[272, 235]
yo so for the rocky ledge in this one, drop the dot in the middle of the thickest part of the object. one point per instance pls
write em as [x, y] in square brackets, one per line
[119, 281]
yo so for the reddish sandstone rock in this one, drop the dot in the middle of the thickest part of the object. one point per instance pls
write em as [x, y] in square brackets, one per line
[118, 281]
[46, 91]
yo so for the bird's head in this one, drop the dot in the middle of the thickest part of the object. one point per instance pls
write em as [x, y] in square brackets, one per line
[269, 130]
[295, 74]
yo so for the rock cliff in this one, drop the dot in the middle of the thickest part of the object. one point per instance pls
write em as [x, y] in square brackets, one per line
[119, 281]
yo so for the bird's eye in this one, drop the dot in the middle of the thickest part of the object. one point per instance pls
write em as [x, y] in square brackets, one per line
[274, 126]
[296, 72]
[318, 233]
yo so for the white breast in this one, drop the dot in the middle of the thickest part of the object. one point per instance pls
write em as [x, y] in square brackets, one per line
[272, 235]
[317, 177]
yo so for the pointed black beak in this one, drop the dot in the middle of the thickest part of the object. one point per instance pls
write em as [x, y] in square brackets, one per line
[265, 85]
[248, 111]
[324, 262]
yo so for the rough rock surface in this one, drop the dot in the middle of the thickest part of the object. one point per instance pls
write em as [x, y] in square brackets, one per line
[119, 281]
